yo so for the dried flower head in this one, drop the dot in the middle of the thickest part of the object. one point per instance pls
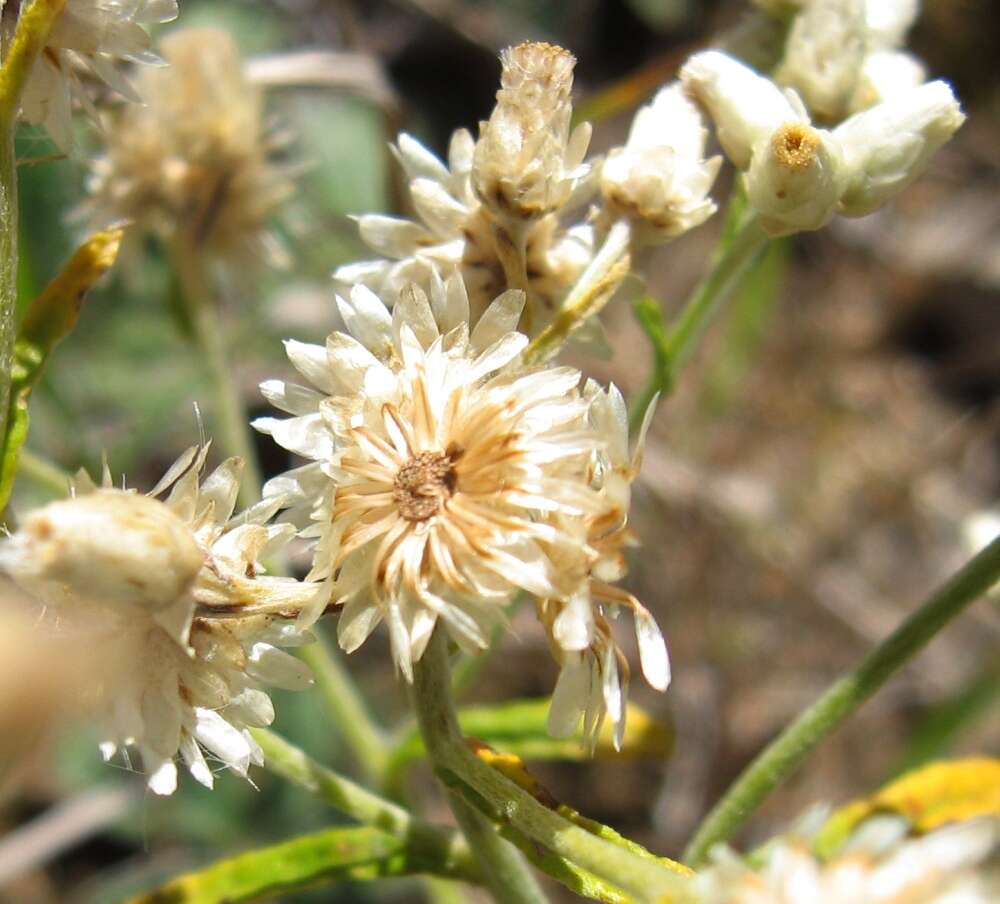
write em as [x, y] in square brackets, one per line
[142, 580]
[660, 179]
[440, 464]
[453, 228]
[90, 38]
[196, 160]
[526, 162]
[957, 863]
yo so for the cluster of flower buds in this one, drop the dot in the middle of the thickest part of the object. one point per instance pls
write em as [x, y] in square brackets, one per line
[446, 477]
[89, 40]
[173, 594]
[522, 208]
[798, 176]
[194, 158]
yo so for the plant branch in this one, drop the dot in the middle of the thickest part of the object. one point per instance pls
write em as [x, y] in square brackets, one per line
[784, 754]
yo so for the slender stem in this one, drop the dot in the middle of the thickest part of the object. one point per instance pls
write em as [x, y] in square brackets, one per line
[736, 256]
[506, 873]
[348, 709]
[784, 754]
[446, 846]
[202, 306]
[8, 262]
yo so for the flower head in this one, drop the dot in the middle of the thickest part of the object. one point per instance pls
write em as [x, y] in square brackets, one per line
[440, 463]
[173, 594]
[90, 37]
[660, 179]
[195, 158]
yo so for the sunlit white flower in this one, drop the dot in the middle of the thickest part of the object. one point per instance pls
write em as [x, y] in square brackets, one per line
[195, 159]
[886, 75]
[453, 229]
[594, 673]
[440, 465]
[957, 864]
[660, 179]
[527, 162]
[798, 176]
[90, 38]
[173, 595]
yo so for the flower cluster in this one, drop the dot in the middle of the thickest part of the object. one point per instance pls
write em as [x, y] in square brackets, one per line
[174, 595]
[89, 40]
[521, 206]
[798, 176]
[195, 157]
[447, 477]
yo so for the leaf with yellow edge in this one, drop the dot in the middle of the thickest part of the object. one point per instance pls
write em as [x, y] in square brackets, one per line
[577, 879]
[927, 798]
[48, 320]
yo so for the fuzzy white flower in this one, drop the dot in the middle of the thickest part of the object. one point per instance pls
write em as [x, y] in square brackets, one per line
[90, 38]
[957, 864]
[172, 594]
[195, 158]
[527, 162]
[439, 465]
[797, 176]
[594, 673]
[454, 229]
[660, 179]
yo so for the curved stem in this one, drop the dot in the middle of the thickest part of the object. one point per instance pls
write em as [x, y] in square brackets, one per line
[784, 754]
[348, 709]
[202, 306]
[506, 872]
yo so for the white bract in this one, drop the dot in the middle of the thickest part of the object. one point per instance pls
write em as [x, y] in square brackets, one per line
[798, 176]
[140, 580]
[90, 39]
[660, 179]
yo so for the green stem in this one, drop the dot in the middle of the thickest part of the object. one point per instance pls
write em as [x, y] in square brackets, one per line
[348, 709]
[784, 754]
[644, 879]
[736, 255]
[444, 846]
[8, 262]
[43, 473]
[202, 307]
[506, 873]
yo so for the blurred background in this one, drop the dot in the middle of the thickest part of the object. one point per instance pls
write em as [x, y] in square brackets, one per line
[830, 456]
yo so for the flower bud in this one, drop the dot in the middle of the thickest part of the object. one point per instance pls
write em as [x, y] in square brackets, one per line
[110, 547]
[886, 75]
[890, 145]
[795, 179]
[888, 21]
[660, 179]
[526, 162]
[823, 55]
[745, 106]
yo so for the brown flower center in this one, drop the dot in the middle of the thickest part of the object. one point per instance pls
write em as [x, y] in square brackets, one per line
[424, 483]
[795, 145]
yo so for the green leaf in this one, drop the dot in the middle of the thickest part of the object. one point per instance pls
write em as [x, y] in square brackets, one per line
[519, 728]
[328, 856]
[48, 320]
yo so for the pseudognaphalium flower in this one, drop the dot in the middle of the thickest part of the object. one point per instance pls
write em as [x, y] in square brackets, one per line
[798, 176]
[660, 179]
[955, 864]
[142, 580]
[196, 158]
[89, 39]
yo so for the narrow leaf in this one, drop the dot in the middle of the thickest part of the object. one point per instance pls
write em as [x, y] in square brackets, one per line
[48, 320]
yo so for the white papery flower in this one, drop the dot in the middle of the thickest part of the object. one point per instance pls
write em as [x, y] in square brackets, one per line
[453, 229]
[173, 595]
[440, 465]
[660, 179]
[957, 864]
[797, 176]
[885, 76]
[90, 38]
[594, 673]
[527, 163]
